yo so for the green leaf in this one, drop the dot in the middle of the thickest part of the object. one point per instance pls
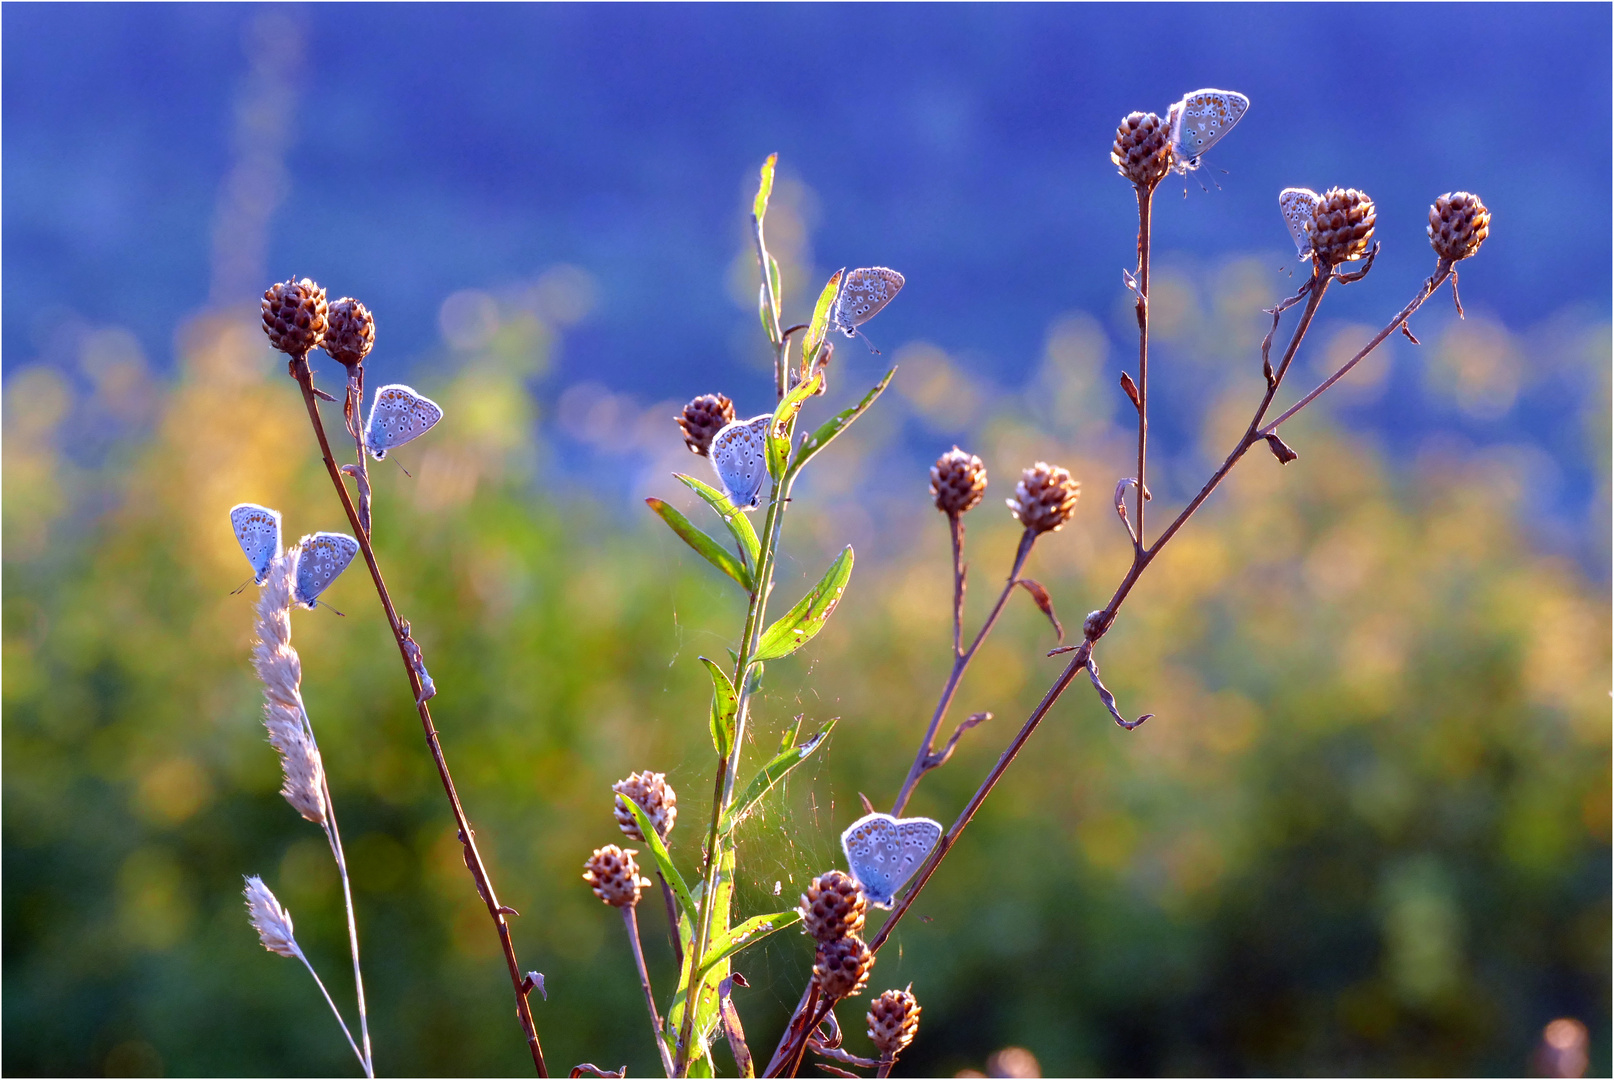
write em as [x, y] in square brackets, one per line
[770, 774]
[739, 525]
[778, 287]
[759, 207]
[748, 933]
[658, 852]
[820, 324]
[704, 545]
[783, 417]
[802, 623]
[837, 424]
[725, 709]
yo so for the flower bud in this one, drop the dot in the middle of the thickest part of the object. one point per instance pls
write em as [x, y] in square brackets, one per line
[655, 797]
[842, 967]
[614, 875]
[1045, 498]
[957, 481]
[294, 316]
[1142, 150]
[702, 419]
[893, 1021]
[1458, 225]
[833, 906]
[349, 332]
[1342, 227]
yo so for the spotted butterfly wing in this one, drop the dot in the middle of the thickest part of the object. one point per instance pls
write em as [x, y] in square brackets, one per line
[883, 852]
[1199, 121]
[321, 558]
[863, 293]
[257, 530]
[1299, 206]
[739, 454]
[397, 416]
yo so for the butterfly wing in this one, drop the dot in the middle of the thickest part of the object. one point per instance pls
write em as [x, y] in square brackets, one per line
[397, 416]
[257, 530]
[883, 852]
[1299, 206]
[739, 457]
[864, 292]
[320, 561]
[1200, 120]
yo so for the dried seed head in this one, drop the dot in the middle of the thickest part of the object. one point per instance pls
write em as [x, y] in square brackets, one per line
[294, 316]
[957, 481]
[614, 875]
[1045, 498]
[1142, 150]
[1458, 225]
[703, 418]
[655, 797]
[833, 906]
[1342, 226]
[842, 967]
[269, 919]
[281, 671]
[349, 332]
[893, 1021]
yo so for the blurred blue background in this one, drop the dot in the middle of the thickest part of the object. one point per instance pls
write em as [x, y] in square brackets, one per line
[1370, 830]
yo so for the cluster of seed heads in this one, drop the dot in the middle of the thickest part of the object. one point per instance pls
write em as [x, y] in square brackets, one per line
[1342, 226]
[833, 910]
[614, 875]
[1045, 498]
[1142, 150]
[654, 796]
[702, 419]
[1458, 225]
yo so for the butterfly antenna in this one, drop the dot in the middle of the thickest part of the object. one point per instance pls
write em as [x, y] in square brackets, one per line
[869, 343]
[406, 472]
[333, 609]
[237, 590]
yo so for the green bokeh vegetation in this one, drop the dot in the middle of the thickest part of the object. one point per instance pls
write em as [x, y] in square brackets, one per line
[1368, 830]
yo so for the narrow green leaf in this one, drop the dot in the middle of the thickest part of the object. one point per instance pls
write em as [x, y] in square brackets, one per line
[748, 933]
[763, 311]
[658, 852]
[820, 323]
[704, 545]
[739, 525]
[783, 417]
[725, 708]
[770, 774]
[802, 623]
[778, 287]
[837, 424]
[759, 207]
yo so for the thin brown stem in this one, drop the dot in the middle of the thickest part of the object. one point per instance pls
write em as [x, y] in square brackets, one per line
[473, 859]
[923, 761]
[672, 920]
[955, 526]
[1145, 200]
[631, 920]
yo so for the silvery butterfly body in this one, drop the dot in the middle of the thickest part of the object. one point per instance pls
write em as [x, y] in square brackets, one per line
[883, 852]
[398, 415]
[1299, 206]
[1199, 121]
[321, 558]
[257, 530]
[864, 292]
[739, 454]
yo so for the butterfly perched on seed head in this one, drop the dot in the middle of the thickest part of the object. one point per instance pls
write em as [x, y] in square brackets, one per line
[257, 530]
[1199, 121]
[1299, 206]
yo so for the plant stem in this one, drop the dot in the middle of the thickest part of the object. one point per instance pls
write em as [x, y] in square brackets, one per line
[473, 859]
[1145, 201]
[631, 920]
[364, 1064]
[961, 660]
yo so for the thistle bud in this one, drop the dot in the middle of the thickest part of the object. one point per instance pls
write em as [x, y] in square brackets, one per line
[1342, 227]
[833, 906]
[957, 481]
[294, 316]
[349, 332]
[703, 418]
[1142, 150]
[1045, 498]
[614, 875]
[654, 796]
[893, 1021]
[842, 967]
[1458, 225]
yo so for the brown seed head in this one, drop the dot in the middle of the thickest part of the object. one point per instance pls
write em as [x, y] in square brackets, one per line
[1045, 498]
[1342, 227]
[833, 906]
[614, 875]
[1458, 225]
[1142, 150]
[703, 418]
[957, 481]
[294, 316]
[655, 797]
[893, 1021]
[842, 967]
[349, 332]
